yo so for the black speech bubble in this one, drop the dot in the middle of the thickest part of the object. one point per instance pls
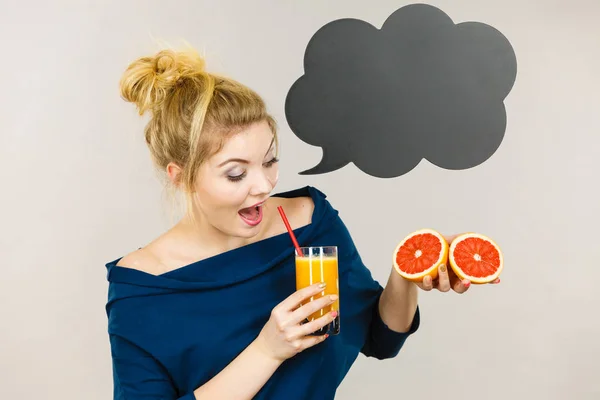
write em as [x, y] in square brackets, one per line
[419, 87]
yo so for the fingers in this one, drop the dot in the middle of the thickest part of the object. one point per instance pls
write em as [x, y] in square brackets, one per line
[447, 280]
[461, 286]
[458, 285]
[427, 283]
[299, 296]
[443, 279]
[299, 344]
[310, 341]
[311, 307]
[310, 327]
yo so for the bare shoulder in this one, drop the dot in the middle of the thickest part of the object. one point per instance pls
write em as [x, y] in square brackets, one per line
[299, 210]
[143, 260]
[304, 207]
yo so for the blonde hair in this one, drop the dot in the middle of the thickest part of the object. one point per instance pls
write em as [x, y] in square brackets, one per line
[193, 112]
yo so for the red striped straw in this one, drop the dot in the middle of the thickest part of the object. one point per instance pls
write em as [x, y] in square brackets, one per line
[289, 229]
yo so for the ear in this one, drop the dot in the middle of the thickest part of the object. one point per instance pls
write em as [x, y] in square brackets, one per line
[174, 173]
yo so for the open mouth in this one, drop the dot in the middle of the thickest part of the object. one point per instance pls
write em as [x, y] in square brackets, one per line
[252, 215]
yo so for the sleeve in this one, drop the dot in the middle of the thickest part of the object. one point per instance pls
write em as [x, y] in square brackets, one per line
[381, 342]
[137, 375]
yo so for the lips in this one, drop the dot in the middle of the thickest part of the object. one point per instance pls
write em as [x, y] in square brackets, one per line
[252, 215]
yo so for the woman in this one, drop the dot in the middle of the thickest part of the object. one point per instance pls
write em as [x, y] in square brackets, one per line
[209, 310]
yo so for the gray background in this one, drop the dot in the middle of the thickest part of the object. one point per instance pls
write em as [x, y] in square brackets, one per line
[78, 190]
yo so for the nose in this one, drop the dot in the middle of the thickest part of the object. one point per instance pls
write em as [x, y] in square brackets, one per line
[262, 185]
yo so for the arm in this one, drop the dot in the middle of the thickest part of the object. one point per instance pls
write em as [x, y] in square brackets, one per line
[138, 375]
[398, 303]
[242, 378]
[390, 328]
[391, 314]
[399, 299]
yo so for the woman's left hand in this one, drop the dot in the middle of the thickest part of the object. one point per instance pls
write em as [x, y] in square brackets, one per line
[447, 279]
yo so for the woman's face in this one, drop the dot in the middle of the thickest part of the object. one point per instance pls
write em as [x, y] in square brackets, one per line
[232, 185]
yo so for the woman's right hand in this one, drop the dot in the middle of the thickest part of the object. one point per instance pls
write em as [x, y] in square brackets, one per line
[283, 336]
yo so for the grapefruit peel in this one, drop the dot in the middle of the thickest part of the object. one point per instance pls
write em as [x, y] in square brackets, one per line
[447, 253]
[407, 248]
[492, 258]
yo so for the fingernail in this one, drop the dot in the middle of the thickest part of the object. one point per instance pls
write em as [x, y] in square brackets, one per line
[467, 283]
[443, 268]
[333, 297]
[334, 314]
[322, 285]
[326, 335]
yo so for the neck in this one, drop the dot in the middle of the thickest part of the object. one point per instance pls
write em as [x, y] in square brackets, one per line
[196, 239]
[204, 240]
[205, 237]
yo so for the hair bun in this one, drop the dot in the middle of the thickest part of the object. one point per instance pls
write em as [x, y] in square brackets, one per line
[148, 80]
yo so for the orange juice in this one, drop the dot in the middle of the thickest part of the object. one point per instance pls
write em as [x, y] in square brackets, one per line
[320, 264]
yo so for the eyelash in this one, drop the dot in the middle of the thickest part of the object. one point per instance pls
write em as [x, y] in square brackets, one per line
[268, 164]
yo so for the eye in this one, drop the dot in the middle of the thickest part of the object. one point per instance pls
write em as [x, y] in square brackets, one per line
[239, 177]
[271, 162]
[236, 178]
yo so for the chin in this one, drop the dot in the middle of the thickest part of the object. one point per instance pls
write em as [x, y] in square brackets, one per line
[247, 233]
[240, 231]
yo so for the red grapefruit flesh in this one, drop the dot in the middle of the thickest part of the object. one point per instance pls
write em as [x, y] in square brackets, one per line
[475, 257]
[420, 254]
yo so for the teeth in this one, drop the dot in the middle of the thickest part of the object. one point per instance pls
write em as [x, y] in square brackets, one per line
[257, 208]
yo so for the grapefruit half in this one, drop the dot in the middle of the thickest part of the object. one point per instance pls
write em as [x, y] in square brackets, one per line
[475, 257]
[420, 254]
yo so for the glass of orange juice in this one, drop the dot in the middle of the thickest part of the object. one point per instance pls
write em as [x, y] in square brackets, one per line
[320, 264]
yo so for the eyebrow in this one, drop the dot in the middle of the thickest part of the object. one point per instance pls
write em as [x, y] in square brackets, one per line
[241, 160]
